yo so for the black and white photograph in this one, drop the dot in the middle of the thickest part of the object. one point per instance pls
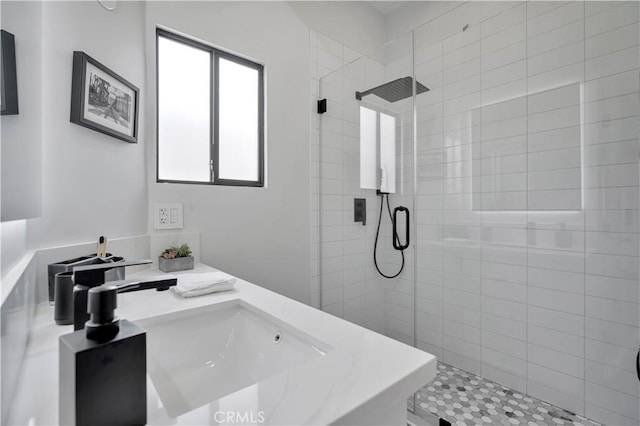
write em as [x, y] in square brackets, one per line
[102, 100]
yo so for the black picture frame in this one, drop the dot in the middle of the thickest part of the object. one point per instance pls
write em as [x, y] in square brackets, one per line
[102, 100]
[8, 75]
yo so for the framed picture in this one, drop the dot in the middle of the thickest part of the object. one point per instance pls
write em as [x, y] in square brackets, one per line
[8, 75]
[102, 100]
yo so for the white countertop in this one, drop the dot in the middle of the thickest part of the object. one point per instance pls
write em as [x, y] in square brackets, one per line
[364, 365]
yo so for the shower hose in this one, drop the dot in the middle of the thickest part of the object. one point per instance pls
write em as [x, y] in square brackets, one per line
[396, 239]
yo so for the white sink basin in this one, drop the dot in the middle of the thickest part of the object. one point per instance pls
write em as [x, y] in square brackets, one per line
[198, 356]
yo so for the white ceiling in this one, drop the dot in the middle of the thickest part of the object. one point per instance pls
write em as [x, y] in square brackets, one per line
[386, 7]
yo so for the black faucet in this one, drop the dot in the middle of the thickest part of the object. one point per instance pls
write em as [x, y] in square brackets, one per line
[87, 277]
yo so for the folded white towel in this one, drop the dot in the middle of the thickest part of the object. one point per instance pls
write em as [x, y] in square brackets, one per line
[191, 285]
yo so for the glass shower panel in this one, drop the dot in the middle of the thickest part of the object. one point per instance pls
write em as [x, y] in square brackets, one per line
[527, 199]
[365, 146]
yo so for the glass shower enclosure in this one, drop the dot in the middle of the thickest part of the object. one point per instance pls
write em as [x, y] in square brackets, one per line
[519, 168]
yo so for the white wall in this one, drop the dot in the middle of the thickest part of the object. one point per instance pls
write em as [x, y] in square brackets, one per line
[22, 133]
[353, 23]
[13, 245]
[260, 234]
[93, 184]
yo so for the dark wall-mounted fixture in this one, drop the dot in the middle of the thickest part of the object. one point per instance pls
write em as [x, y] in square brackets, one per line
[8, 77]
[395, 90]
[360, 210]
[322, 106]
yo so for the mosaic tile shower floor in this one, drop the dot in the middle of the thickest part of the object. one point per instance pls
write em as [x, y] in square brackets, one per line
[463, 399]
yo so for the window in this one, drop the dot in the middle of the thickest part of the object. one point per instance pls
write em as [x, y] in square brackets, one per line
[210, 112]
[378, 139]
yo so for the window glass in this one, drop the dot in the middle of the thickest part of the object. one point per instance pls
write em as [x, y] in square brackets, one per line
[368, 149]
[387, 153]
[238, 121]
[210, 114]
[184, 104]
[378, 137]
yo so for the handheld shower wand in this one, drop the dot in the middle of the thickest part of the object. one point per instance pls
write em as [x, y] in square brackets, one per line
[397, 245]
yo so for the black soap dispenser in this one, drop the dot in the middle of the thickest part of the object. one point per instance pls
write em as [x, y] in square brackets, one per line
[103, 368]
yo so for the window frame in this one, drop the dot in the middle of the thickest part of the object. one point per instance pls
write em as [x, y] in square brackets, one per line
[214, 130]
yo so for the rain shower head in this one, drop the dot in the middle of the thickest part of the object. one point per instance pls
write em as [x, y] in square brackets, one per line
[395, 90]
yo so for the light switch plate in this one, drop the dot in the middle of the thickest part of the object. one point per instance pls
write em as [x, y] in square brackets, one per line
[167, 216]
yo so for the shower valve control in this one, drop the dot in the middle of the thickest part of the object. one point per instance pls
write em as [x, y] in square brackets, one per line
[360, 210]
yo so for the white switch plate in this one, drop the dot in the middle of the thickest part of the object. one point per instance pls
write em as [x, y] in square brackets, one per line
[167, 216]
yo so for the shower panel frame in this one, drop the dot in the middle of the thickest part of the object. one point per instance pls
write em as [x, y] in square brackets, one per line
[403, 183]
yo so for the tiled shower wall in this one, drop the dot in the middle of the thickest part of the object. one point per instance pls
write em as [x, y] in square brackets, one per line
[528, 198]
[342, 271]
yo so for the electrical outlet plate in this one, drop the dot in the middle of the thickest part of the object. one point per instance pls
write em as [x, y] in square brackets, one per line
[167, 216]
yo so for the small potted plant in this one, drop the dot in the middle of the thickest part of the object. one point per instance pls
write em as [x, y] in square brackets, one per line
[175, 259]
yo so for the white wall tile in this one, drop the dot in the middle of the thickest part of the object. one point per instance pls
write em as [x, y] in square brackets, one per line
[504, 38]
[615, 85]
[612, 288]
[555, 360]
[613, 378]
[610, 332]
[612, 265]
[612, 198]
[612, 108]
[506, 19]
[611, 355]
[612, 63]
[551, 180]
[462, 331]
[564, 322]
[554, 119]
[515, 381]
[498, 77]
[556, 300]
[627, 313]
[556, 159]
[553, 139]
[552, 19]
[612, 243]
[503, 361]
[556, 58]
[608, 417]
[570, 282]
[568, 386]
[613, 153]
[499, 58]
[504, 308]
[571, 401]
[561, 36]
[504, 326]
[624, 404]
[608, 20]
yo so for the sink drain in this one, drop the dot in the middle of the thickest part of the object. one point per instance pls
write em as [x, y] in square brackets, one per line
[277, 337]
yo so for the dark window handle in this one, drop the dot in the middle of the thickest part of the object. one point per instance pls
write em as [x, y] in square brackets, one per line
[638, 364]
[396, 239]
